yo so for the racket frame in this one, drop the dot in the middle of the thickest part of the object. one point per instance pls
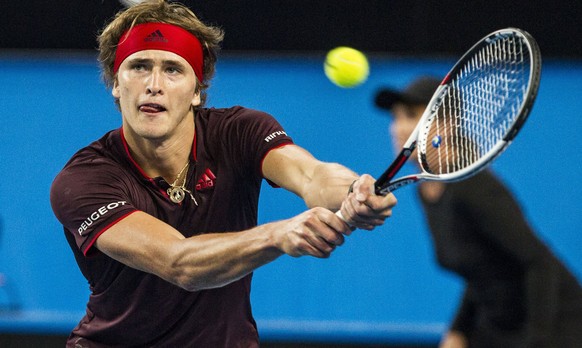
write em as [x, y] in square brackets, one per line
[385, 184]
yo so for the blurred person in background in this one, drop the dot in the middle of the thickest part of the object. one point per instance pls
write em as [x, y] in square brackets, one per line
[517, 293]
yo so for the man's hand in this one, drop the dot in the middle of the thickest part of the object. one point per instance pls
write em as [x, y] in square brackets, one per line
[316, 232]
[362, 208]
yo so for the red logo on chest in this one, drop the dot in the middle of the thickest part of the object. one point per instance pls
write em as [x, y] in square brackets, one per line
[206, 180]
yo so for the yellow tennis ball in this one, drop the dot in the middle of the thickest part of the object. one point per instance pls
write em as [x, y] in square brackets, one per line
[346, 67]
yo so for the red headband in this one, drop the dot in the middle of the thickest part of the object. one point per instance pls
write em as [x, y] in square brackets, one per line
[161, 36]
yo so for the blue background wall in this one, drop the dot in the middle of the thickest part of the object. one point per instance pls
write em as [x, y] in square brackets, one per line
[380, 286]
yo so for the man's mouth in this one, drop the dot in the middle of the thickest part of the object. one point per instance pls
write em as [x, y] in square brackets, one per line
[151, 108]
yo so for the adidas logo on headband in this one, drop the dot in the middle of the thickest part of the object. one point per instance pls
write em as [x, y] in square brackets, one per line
[156, 36]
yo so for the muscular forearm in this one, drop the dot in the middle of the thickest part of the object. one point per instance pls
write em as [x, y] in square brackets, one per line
[214, 260]
[328, 186]
[320, 184]
[204, 261]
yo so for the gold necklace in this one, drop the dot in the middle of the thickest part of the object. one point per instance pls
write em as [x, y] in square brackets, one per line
[177, 193]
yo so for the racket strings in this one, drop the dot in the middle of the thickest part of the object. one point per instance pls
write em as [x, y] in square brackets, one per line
[478, 107]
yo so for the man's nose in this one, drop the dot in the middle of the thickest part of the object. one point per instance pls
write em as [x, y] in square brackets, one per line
[154, 86]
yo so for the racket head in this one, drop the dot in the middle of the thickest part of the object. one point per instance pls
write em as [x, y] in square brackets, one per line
[480, 106]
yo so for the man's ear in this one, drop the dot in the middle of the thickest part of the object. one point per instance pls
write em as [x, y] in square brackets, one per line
[115, 89]
[196, 100]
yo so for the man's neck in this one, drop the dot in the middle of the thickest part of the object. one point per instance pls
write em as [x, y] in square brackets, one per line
[162, 157]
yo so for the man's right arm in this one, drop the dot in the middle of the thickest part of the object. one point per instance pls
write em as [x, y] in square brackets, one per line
[215, 259]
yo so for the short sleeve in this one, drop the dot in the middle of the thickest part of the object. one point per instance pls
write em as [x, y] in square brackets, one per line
[90, 197]
[249, 135]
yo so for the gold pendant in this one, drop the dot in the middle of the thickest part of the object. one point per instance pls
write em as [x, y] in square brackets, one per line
[176, 194]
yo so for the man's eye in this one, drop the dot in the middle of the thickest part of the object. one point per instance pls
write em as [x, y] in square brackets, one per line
[172, 70]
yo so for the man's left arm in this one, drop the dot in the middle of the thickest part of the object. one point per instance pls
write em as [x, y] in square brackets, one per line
[327, 185]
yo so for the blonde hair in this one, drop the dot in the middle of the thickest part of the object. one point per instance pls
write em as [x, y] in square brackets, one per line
[163, 12]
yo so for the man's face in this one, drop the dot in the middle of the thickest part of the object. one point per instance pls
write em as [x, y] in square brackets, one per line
[156, 92]
[404, 119]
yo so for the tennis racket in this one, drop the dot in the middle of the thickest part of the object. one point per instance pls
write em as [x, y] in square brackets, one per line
[475, 113]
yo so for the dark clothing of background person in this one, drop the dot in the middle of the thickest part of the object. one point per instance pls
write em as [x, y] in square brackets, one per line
[518, 294]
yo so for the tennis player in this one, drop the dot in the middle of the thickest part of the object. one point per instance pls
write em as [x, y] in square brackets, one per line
[517, 293]
[161, 214]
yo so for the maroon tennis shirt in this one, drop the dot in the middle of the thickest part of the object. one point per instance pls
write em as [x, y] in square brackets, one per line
[102, 184]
